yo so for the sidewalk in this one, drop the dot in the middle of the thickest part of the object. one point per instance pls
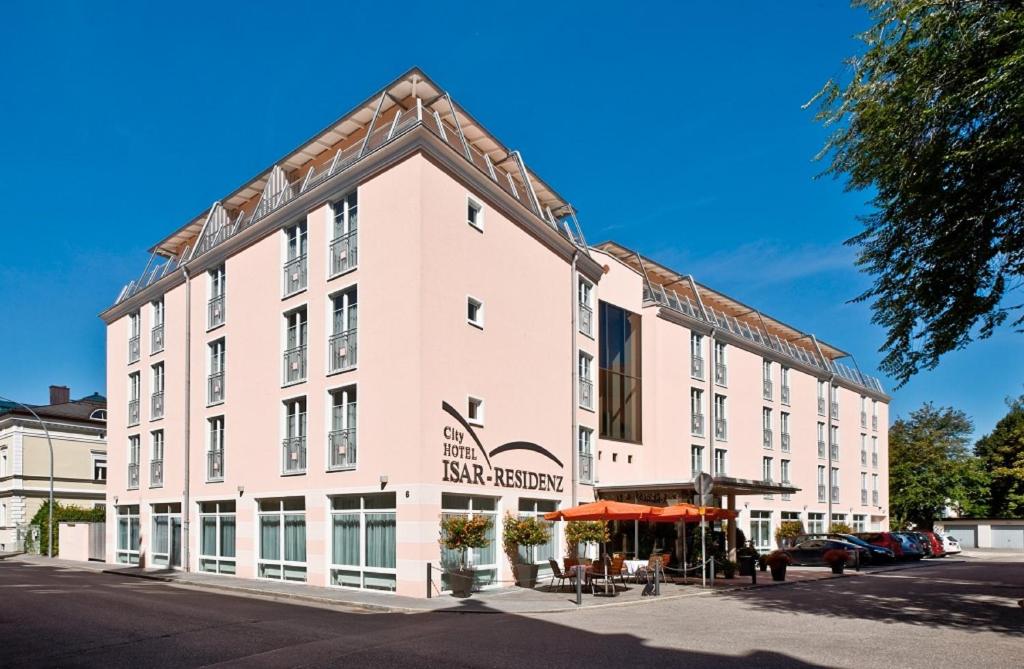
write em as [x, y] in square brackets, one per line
[502, 600]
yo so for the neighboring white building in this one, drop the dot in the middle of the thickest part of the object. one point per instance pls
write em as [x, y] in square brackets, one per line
[1006, 534]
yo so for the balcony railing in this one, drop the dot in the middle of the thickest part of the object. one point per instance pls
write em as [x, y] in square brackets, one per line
[697, 367]
[721, 429]
[721, 374]
[874, 422]
[215, 465]
[295, 364]
[766, 389]
[133, 412]
[156, 405]
[342, 445]
[864, 497]
[767, 441]
[785, 442]
[586, 468]
[835, 410]
[874, 497]
[586, 320]
[215, 312]
[821, 406]
[834, 448]
[344, 252]
[156, 473]
[293, 452]
[586, 393]
[821, 449]
[785, 394]
[133, 349]
[835, 493]
[864, 419]
[697, 425]
[821, 492]
[342, 351]
[216, 388]
[295, 275]
[133, 475]
[874, 459]
[863, 458]
[156, 339]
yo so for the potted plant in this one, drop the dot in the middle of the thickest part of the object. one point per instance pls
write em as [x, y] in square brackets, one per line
[527, 532]
[777, 562]
[460, 533]
[840, 528]
[762, 561]
[728, 569]
[584, 532]
[787, 532]
[836, 558]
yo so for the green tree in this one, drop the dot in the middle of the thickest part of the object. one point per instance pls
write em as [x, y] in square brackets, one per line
[931, 121]
[1002, 455]
[61, 512]
[930, 465]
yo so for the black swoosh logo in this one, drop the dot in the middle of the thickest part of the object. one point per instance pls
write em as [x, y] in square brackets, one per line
[527, 446]
[469, 428]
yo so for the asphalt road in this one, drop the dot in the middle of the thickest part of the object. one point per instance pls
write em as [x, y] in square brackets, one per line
[962, 616]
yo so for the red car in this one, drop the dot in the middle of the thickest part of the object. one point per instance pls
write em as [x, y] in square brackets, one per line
[938, 548]
[883, 539]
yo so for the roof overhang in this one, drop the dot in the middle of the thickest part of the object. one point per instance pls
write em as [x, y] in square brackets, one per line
[722, 485]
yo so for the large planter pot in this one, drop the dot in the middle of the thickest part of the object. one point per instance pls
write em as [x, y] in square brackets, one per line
[778, 572]
[461, 582]
[728, 570]
[526, 575]
[838, 568]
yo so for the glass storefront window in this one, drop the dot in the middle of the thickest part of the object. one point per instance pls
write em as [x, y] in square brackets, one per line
[483, 560]
[217, 522]
[282, 524]
[363, 541]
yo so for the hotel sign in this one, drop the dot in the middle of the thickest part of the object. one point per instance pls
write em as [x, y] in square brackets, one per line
[467, 461]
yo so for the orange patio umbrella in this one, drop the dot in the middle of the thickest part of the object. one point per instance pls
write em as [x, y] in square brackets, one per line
[603, 509]
[690, 513]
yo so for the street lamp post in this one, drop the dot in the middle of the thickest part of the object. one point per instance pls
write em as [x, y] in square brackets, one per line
[49, 523]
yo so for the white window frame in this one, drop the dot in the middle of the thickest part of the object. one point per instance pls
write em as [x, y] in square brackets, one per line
[128, 555]
[472, 555]
[696, 458]
[344, 393]
[477, 222]
[166, 512]
[345, 295]
[215, 441]
[724, 469]
[362, 569]
[282, 563]
[586, 373]
[219, 561]
[478, 420]
[478, 322]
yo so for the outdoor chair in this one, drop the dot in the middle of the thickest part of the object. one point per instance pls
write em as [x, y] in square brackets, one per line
[561, 576]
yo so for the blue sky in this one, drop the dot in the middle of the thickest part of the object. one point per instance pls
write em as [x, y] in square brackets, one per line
[675, 129]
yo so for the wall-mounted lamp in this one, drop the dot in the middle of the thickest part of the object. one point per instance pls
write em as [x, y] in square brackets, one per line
[383, 480]
[115, 500]
[241, 490]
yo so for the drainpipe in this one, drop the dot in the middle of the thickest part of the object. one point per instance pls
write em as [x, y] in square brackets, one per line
[185, 510]
[828, 494]
[712, 423]
[575, 381]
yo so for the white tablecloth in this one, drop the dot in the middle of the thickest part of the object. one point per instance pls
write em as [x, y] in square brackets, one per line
[632, 565]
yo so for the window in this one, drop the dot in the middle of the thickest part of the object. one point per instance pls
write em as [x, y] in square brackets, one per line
[128, 534]
[586, 380]
[821, 397]
[99, 467]
[586, 312]
[697, 356]
[785, 384]
[282, 539]
[761, 529]
[215, 449]
[874, 489]
[586, 473]
[344, 235]
[784, 430]
[3, 462]
[766, 426]
[296, 332]
[863, 411]
[821, 483]
[485, 560]
[720, 463]
[620, 371]
[215, 382]
[475, 214]
[133, 461]
[721, 426]
[536, 508]
[874, 451]
[834, 481]
[156, 339]
[156, 408]
[134, 388]
[766, 379]
[363, 545]
[476, 410]
[344, 320]
[217, 523]
[696, 460]
[864, 488]
[166, 537]
[294, 445]
[156, 460]
[834, 442]
[133, 337]
[215, 309]
[835, 402]
[342, 439]
[821, 440]
[784, 471]
[475, 312]
[721, 366]
[874, 414]
[860, 523]
[3, 514]
[864, 450]
[697, 412]
[295, 270]
[815, 523]
[766, 469]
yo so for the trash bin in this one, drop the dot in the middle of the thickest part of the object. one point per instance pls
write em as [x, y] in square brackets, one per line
[748, 565]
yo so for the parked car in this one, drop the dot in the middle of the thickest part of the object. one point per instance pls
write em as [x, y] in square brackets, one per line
[923, 542]
[934, 542]
[909, 545]
[949, 543]
[883, 539]
[875, 553]
[811, 553]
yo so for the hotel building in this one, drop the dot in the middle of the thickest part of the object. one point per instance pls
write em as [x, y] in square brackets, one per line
[400, 320]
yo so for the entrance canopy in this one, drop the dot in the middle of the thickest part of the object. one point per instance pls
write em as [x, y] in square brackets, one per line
[667, 493]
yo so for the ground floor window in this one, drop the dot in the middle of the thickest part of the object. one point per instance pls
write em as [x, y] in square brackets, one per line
[761, 529]
[166, 535]
[217, 522]
[128, 534]
[363, 543]
[282, 539]
[860, 523]
[540, 554]
[484, 560]
[838, 518]
[816, 523]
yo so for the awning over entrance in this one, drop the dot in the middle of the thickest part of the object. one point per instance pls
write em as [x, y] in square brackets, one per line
[665, 493]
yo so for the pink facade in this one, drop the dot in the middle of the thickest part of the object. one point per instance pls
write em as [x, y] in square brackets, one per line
[415, 349]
